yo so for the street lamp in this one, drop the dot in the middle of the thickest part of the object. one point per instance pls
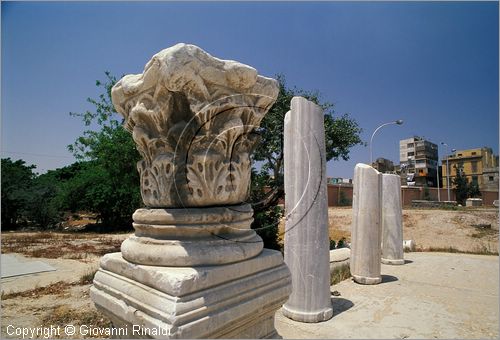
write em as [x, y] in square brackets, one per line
[398, 122]
[447, 168]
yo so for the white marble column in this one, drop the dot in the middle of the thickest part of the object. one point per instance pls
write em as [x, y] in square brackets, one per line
[392, 220]
[366, 225]
[306, 228]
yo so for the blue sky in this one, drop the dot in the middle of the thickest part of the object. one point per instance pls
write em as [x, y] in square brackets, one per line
[432, 64]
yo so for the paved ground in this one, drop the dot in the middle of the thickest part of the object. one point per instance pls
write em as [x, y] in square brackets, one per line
[434, 295]
[17, 265]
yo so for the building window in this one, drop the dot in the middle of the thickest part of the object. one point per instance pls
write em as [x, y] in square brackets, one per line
[473, 153]
[474, 180]
[474, 166]
[491, 179]
[411, 153]
[459, 155]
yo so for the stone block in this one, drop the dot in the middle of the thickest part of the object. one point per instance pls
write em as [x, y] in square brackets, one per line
[227, 301]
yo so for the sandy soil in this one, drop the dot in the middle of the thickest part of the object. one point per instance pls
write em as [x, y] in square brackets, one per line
[61, 297]
[467, 230]
[57, 298]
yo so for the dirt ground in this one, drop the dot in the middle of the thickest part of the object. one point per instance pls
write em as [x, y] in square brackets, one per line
[62, 297]
[465, 230]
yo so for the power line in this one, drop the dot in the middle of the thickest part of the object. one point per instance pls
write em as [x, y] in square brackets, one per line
[35, 154]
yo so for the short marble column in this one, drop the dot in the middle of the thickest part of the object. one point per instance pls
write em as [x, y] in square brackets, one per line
[392, 220]
[306, 228]
[366, 225]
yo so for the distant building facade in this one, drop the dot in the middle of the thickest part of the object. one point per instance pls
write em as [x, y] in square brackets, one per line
[339, 180]
[418, 162]
[479, 166]
[383, 165]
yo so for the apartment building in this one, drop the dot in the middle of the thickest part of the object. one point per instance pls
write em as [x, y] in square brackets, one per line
[418, 162]
[478, 165]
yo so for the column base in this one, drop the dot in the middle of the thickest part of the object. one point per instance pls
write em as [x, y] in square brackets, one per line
[235, 300]
[367, 280]
[311, 317]
[392, 262]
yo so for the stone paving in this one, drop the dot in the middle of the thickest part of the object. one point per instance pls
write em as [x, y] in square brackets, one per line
[433, 295]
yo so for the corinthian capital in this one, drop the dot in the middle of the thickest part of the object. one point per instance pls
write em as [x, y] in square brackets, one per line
[194, 119]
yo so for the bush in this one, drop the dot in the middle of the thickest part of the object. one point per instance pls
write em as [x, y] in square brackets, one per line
[342, 243]
[266, 223]
[343, 200]
[332, 244]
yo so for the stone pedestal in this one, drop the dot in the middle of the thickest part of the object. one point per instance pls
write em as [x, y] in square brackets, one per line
[194, 268]
[366, 225]
[306, 227]
[392, 220]
[236, 300]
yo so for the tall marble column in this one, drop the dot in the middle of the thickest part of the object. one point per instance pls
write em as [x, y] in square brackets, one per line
[366, 225]
[306, 227]
[194, 268]
[392, 220]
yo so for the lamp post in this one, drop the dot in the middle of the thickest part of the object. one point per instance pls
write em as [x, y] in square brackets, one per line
[398, 122]
[447, 168]
[437, 173]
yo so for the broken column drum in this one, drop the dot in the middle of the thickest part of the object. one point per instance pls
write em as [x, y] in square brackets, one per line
[306, 228]
[366, 225]
[392, 220]
[194, 268]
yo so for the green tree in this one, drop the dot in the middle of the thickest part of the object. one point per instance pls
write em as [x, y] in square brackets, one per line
[17, 180]
[108, 183]
[41, 207]
[473, 190]
[461, 186]
[341, 134]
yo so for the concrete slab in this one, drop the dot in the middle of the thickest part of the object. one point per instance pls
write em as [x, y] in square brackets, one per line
[17, 265]
[433, 295]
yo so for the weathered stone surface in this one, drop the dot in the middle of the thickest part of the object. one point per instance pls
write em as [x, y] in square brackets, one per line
[366, 225]
[409, 245]
[229, 301]
[193, 118]
[193, 268]
[392, 220]
[306, 226]
[192, 236]
[473, 202]
[338, 258]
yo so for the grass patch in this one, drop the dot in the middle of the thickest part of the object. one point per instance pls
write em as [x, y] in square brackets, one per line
[57, 288]
[63, 315]
[340, 274]
[59, 245]
[483, 250]
[336, 234]
[88, 277]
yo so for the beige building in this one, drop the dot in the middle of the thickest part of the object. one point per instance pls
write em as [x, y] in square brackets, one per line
[478, 165]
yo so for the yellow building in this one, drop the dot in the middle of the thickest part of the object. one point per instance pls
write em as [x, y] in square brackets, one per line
[478, 165]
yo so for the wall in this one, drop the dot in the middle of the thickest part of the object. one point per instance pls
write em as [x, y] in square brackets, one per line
[407, 194]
